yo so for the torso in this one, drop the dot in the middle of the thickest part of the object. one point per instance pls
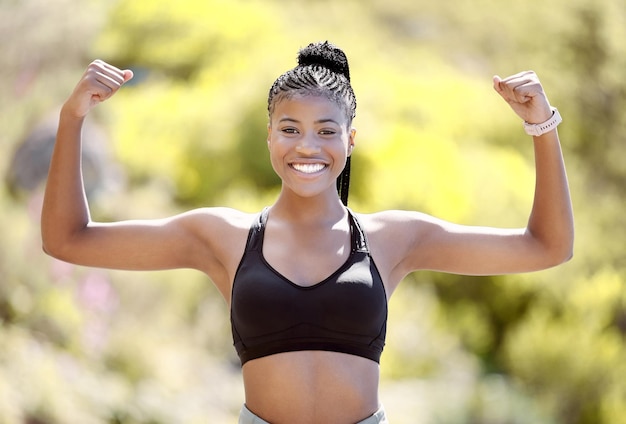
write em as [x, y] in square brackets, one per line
[320, 386]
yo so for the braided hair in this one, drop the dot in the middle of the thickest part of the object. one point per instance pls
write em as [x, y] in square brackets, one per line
[322, 71]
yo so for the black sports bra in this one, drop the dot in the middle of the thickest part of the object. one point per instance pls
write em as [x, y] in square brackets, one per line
[346, 312]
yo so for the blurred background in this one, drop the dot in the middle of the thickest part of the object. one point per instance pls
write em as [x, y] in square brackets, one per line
[90, 346]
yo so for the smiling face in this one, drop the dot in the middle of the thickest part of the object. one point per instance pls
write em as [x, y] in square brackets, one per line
[309, 139]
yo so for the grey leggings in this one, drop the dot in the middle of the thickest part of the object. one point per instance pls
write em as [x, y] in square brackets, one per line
[247, 417]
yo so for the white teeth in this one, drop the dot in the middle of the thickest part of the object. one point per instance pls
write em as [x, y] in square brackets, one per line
[308, 168]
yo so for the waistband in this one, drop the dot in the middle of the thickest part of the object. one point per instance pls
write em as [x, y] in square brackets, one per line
[248, 417]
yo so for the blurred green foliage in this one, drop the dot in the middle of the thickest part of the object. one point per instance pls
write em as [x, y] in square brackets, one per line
[94, 346]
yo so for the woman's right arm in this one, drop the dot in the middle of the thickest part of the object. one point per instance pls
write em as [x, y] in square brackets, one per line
[65, 217]
[69, 234]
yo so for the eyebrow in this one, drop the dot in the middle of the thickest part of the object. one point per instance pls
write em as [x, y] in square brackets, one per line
[319, 121]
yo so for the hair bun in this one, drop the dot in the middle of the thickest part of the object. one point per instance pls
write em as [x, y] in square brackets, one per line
[326, 55]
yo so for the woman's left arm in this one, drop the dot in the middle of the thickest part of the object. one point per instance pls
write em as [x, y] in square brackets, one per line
[546, 241]
[551, 222]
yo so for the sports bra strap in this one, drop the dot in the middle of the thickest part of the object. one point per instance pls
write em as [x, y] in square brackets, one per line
[257, 231]
[359, 239]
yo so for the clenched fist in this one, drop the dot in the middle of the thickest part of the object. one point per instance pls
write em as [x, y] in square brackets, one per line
[524, 93]
[99, 82]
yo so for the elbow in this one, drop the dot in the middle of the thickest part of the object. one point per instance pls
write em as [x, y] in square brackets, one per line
[558, 255]
[48, 245]
[61, 243]
[50, 249]
[565, 257]
[570, 252]
[45, 245]
[553, 249]
[49, 239]
[57, 252]
[567, 249]
[55, 248]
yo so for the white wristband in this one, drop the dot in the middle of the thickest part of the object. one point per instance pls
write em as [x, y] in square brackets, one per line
[540, 129]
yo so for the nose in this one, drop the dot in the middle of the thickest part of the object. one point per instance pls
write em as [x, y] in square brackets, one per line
[308, 145]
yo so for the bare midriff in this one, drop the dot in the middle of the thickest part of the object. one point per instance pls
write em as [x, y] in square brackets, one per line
[311, 387]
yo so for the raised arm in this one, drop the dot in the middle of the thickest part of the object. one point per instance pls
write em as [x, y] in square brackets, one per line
[550, 226]
[65, 214]
[547, 239]
[198, 239]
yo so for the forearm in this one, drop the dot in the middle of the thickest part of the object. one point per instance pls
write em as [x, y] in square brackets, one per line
[65, 209]
[551, 221]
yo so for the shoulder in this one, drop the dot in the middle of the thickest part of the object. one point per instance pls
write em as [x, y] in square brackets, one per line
[221, 234]
[217, 225]
[409, 232]
[395, 220]
[398, 229]
[214, 226]
[224, 217]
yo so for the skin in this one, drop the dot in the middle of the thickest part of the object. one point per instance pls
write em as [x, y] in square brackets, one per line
[306, 134]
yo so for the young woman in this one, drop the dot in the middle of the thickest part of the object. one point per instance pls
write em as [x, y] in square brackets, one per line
[308, 280]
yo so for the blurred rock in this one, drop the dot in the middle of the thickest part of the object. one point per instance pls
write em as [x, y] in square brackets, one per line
[28, 168]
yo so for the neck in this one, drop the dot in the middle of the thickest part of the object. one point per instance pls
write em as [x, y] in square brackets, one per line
[322, 208]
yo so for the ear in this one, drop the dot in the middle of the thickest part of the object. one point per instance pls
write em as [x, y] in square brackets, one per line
[269, 134]
[351, 138]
